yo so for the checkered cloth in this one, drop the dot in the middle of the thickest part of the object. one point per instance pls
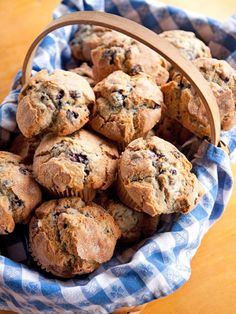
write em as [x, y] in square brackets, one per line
[158, 265]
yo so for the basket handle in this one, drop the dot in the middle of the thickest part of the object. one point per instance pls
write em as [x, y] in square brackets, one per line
[146, 37]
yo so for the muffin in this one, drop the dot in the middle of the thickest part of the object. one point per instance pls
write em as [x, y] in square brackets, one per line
[59, 102]
[77, 164]
[187, 43]
[89, 37]
[129, 56]
[86, 72]
[68, 237]
[25, 147]
[133, 225]
[126, 106]
[184, 105]
[172, 131]
[154, 177]
[19, 193]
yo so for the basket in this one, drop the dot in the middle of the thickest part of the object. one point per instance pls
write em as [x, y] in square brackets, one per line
[156, 266]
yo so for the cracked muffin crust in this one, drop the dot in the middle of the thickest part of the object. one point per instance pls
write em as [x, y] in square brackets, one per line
[25, 147]
[134, 225]
[19, 193]
[184, 105]
[86, 72]
[154, 177]
[59, 102]
[126, 106]
[129, 56]
[77, 164]
[188, 44]
[68, 237]
[89, 37]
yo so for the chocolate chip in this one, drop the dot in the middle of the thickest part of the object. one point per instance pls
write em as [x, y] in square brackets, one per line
[81, 158]
[24, 171]
[157, 106]
[17, 202]
[159, 155]
[75, 94]
[225, 79]
[60, 94]
[55, 215]
[173, 171]
[71, 115]
[135, 69]
[110, 55]
[184, 85]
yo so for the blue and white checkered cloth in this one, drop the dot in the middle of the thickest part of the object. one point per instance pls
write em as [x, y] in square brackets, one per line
[161, 264]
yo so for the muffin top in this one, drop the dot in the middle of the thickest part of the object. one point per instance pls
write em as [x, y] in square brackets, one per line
[58, 102]
[134, 225]
[89, 37]
[188, 44]
[77, 161]
[19, 193]
[25, 147]
[126, 106]
[129, 56]
[184, 105]
[86, 72]
[157, 177]
[69, 237]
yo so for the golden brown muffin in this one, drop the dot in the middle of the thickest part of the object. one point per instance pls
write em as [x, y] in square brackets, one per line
[172, 131]
[129, 56]
[134, 225]
[126, 106]
[184, 105]
[68, 237]
[25, 147]
[89, 37]
[59, 102]
[77, 164]
[19, 193]
[187, 43]
[154, 177]
[85, 71]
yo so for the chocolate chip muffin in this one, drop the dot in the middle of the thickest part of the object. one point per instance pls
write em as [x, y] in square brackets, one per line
[19, 193]
[68, 237]
[89, 37]
[126, 106]
[172, 131]
[188, 44]
[134, 225]
[154, 177]
[129, 56]
[86, 72]
[59, 102]
[184, 105]
[77, 164]
[25, 147]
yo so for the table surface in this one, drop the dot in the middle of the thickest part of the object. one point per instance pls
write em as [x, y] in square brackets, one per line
[211, 288]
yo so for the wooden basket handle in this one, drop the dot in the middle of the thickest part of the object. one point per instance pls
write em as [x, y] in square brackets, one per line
[148, 38]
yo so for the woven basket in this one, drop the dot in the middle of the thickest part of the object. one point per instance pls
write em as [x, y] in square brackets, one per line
[154, 42]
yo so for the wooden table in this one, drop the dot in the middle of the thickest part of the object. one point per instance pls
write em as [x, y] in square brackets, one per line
[211, 288]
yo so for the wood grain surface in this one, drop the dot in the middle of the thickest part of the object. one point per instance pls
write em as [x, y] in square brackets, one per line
[211, 288]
